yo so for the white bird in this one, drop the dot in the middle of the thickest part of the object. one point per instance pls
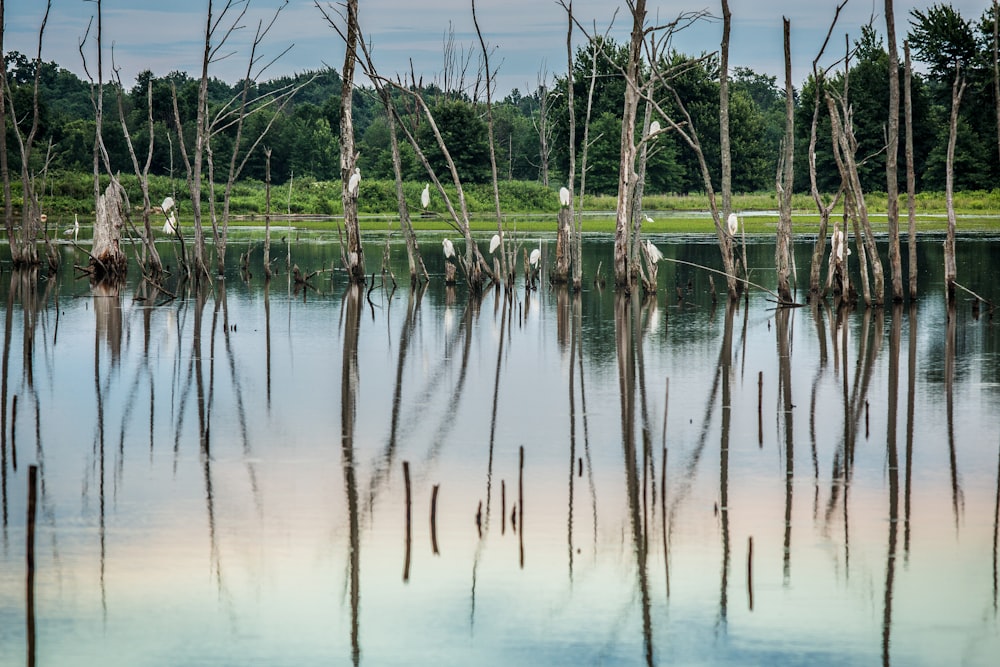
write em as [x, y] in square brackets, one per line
[449, 248]
[733, 223]
[170, 225]
[352, 184]
[564, 196]
[654, 127]
[167, 204]
[494, 243]
[425, 196]
[654, 253]
[646, 218]
[74, 231]
[535, 257]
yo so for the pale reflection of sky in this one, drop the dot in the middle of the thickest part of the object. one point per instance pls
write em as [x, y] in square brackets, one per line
[240, 552]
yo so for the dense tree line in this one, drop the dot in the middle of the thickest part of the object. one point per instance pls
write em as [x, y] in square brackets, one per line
[303, 139]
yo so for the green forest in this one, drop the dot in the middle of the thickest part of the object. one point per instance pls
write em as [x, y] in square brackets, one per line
[303, 135]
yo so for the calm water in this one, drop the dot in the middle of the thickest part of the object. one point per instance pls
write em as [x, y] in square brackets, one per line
[591, 480]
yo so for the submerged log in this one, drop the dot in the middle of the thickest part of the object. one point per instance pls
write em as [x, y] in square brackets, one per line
[108, 260]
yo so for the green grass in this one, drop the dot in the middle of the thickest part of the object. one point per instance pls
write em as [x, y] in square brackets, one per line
[528, 206]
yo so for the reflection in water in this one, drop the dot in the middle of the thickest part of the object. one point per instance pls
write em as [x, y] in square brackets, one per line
[348, 413]
[463, 391]
[782, 328]
[628, 339]
[893, 458]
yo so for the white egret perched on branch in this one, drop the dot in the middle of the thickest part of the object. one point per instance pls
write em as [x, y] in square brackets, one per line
[494, 243]
[167, 204]
[733, 224]
[654, 253]
[449, 248]
[355, 180]
[564, 197]
[170, 226]
[654, 127]
[425, 196]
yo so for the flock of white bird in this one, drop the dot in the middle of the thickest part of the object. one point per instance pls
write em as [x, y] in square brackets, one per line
[168, 207]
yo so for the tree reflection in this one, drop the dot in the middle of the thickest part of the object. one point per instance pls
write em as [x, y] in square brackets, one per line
[348, 412]
[893, 457]
[628, 341]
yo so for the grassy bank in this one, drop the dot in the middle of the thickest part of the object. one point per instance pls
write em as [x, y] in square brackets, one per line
[528, 205]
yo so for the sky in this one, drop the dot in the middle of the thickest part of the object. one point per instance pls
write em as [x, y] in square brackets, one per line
[527, 37]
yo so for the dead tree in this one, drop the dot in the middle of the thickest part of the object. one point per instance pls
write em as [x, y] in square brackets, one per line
[152, 266]
[783, 183]
[8, 205]
[950, 270]
[231, 117]
[23, 242]
[891, 157]
[267, 214]
[819, 247]
[845, 147]
[565, 248]
[544, 129]
[225, 23]
[626, 167]
[507, 274]
[911, 179]
[474, 267]
[354, 258]
[108, 263]
[726, 162]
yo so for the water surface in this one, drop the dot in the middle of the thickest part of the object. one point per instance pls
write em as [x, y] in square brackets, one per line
[592, 479]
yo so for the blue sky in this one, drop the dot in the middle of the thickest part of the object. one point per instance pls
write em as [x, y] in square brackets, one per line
[528, 36]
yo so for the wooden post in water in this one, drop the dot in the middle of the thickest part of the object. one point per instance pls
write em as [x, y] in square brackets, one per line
[409, 534]
[30, 562]
[434, 501]
[520, 503]
[760, 413]
[13, 433]
[750, 571]
[503, 507]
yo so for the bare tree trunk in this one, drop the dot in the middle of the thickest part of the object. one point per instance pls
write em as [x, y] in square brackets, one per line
[996, 66]
[267, 214]
[950, 271]
[543, 128]
[508, 276]
[578, 264]
[565, 247]
[8, 205]
[626, 171]
[911, 180]
[784, 181]
[108, 262]
[348, 156]
[413, 256]
[892, 154]
[152, 265]
[724, 148]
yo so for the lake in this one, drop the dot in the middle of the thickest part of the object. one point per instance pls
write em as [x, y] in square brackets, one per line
[264, 474]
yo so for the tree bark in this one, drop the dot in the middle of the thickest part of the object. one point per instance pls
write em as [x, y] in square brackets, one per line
[108, 262]
[891, 157]
[565, 248]
[348, 157]
[508, 276]
[626, 170]
[724, 147]
[782, 247]
[911, 180]
[950, 270]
